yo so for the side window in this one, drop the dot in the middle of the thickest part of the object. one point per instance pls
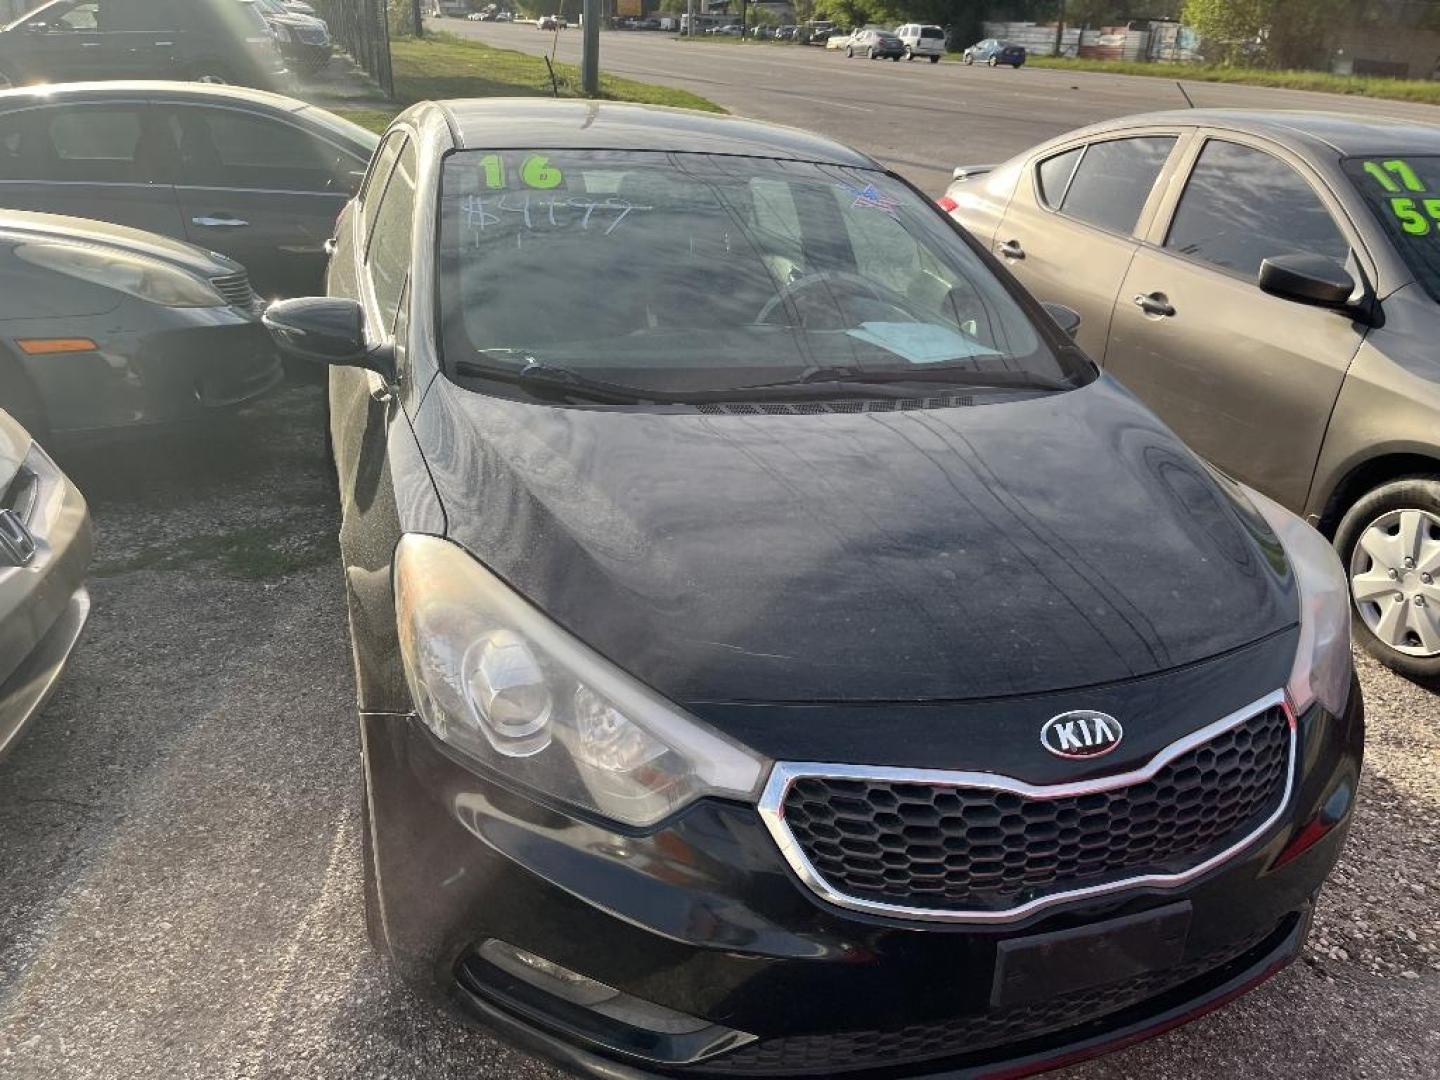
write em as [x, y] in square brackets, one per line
[1054, 175]
[60, 19]
[232, 149]
[136, 15]
[379, 177]
[1114, 179]
[388, 256]
[101, 143]
[1242, 206]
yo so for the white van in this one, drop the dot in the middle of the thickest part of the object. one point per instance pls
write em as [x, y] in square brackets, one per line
[922, 39]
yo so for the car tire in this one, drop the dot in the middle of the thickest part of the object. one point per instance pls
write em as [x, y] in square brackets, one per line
[908, 54]
[934, 59]
[969, 60]
[18, 398]
[993, 62]
[849, 53]
[896, 58]
[1380, 510]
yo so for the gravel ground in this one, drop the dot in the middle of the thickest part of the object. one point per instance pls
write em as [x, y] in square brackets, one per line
[179, 854]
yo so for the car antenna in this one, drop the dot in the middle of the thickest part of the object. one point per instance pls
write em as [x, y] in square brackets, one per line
[1181, 86]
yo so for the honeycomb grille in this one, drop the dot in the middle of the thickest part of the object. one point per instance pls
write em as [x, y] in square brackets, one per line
[826, 1054]
[951, 848]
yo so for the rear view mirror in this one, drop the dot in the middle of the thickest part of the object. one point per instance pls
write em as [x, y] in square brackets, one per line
[1068, 319]
[326, 330]
[1307, 279]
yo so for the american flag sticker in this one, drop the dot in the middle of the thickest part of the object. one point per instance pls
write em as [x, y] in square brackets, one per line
[872, 198]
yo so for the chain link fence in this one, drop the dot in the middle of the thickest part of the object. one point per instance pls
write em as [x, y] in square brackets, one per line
[361, 28]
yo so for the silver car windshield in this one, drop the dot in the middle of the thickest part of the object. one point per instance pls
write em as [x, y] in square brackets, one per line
[693, 272]
[1404, 193]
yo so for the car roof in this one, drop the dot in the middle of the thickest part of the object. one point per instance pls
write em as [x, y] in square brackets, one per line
[554, 124]
[1339, 133]
[151, 89]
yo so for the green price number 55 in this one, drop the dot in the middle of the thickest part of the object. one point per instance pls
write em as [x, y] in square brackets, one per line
[1413, 219]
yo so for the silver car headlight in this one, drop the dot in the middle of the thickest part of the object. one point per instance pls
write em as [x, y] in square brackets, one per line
[1323, 663]
[494, 678]
[135, 275]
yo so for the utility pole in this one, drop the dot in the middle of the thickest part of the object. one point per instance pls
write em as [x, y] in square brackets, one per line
[590, 48]
[418, 18]
[1060, 31]
[690, 18]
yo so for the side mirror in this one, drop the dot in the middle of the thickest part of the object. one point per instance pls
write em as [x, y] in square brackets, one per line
[1068, 319]
[1307, 279]
[326, 330]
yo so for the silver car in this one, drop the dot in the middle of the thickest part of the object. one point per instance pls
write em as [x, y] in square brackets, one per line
[45, 548]
[1269, 283]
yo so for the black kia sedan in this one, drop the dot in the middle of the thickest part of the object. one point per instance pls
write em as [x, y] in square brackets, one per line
[256, 176]
[104, 328]
[780, 650]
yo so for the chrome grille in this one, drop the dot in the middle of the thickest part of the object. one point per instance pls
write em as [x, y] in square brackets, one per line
[977, 847]
[235, 288]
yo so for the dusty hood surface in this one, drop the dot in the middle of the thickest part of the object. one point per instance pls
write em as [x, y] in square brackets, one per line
[1004, 548]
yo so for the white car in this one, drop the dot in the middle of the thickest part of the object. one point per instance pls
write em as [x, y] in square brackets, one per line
[922, 39]
[838, 40]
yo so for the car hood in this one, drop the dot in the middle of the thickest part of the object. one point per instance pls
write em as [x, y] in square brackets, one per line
[27, 225]
[1008, 547]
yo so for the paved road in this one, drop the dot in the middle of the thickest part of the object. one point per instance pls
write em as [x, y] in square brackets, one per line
[920, 119]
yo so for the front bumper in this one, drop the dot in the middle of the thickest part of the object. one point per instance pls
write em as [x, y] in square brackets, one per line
[704, 917]
[43, 604]
[196, 361]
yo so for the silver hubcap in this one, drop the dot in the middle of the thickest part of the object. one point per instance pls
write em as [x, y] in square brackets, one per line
[1395, 579]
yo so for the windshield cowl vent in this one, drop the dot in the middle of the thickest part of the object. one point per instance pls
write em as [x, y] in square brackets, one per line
[813, 408]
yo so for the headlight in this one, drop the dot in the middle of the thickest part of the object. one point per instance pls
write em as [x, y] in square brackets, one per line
[1323, 663]
[149, 279]
[496, 679]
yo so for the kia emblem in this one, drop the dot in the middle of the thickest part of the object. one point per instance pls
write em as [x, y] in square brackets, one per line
[1081, 733]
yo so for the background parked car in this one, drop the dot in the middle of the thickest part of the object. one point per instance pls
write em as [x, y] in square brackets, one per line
[45, 549]
[994, 53]
[103, 327]
[875, 45]
[1267, 283]
[838, 39]
[254, 175]
[217, 41]
[922, 39]
[304, 40]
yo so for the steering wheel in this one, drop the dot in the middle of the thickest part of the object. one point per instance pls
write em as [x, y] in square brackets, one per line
[849, 282]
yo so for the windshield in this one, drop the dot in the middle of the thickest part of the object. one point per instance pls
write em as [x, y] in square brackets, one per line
[1404, 193]
[696, 273]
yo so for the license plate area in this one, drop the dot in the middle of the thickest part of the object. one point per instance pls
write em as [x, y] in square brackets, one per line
[1046, 966]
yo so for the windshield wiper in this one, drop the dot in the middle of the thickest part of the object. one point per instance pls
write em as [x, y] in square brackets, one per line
[543, 378]
[954, 374]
